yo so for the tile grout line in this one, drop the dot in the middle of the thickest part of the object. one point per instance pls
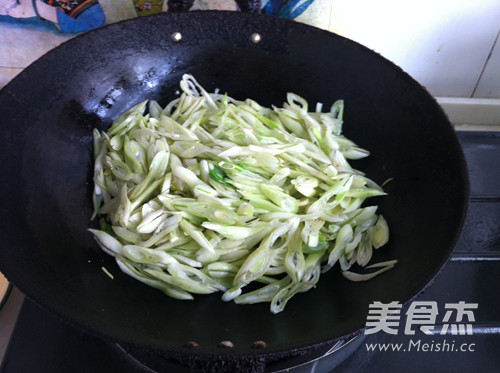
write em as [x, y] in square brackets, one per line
[485, 64]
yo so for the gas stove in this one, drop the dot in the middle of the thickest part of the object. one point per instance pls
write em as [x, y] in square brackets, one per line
[42, 343]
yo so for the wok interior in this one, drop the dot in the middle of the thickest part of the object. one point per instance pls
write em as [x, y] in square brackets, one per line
[88, 81]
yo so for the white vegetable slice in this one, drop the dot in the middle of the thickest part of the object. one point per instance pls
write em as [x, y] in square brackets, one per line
[211, 194]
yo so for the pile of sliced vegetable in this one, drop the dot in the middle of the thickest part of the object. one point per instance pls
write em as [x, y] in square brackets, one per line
[212, 194]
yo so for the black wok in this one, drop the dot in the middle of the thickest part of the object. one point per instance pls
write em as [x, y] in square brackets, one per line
[48, 113]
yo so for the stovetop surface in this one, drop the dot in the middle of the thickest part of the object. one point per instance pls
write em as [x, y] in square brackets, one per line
[42, 343]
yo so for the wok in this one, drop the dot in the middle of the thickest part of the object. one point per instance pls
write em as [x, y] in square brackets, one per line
[49, 111]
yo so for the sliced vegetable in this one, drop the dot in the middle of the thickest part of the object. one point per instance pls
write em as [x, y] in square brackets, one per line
[212, 194]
